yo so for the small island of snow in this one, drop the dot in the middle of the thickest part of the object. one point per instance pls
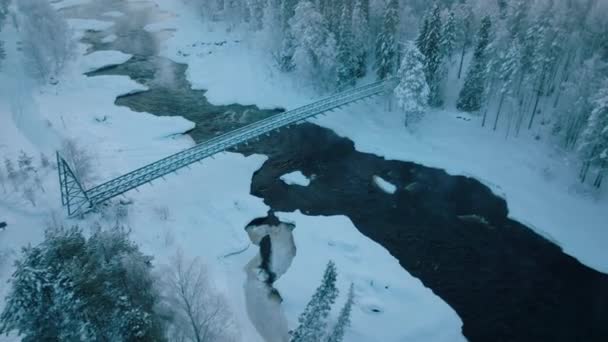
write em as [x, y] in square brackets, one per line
[385, 186]
[295, 178]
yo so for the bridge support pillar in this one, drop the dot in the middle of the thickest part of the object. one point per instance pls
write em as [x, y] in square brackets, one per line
[73, 195]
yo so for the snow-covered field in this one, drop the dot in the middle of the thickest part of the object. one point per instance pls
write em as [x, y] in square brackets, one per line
[203, 210]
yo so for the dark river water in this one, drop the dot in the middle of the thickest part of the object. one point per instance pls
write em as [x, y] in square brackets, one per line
[506, 282]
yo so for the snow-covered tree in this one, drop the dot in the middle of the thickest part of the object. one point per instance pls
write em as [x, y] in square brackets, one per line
[429, 44]
[346, 62]
[361, 37]
[337, 333]
[69, 288]
[448, 37]
[386, 44]
[47, 39]
[464, 30]
[412, 93]
[594, 144]
[315, 46]
[510, 66]
[470, 98]
[313, 321]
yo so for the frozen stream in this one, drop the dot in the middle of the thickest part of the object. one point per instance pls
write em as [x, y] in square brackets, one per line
[505, 282]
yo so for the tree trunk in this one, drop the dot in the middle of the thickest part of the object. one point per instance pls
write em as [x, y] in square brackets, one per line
[565, 77]
[464, 49]
[487, 101]
[600, 175]
[538, 93]
[584, 170]
[502, 98]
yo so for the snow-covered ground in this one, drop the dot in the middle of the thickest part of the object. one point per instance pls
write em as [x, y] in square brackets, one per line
[203, 211]
[538, 182]
[295, 178]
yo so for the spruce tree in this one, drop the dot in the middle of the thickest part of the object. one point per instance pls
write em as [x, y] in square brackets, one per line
[386, 44]
[337, 334]
[509, 68]
[347, 63]
[448, 37]
[412, 92]
[360, 29]
[429, 44]
[470, 98]
[70, 288]
[313, 321]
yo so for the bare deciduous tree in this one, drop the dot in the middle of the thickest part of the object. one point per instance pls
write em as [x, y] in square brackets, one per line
[199, 313]
[80, 161]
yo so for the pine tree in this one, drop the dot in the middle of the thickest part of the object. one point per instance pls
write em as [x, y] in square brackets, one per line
[412, 92]
[313, 321]
[470, 98]
[337, 334]
[386, 44]
[347, 63]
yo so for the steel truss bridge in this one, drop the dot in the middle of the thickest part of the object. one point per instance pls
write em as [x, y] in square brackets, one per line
[77, 200]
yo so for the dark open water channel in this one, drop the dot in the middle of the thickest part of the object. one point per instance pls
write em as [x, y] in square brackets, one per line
[505, 282]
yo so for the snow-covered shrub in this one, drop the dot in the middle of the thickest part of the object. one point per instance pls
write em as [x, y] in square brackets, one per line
[70, 288]
[198, 311]
[47, 39]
